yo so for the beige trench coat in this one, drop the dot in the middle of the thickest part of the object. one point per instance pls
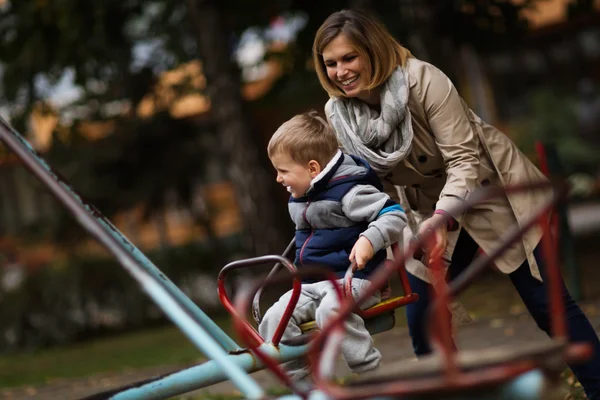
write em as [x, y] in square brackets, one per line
[454, 152]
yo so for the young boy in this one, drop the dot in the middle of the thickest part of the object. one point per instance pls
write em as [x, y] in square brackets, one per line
[341, 215]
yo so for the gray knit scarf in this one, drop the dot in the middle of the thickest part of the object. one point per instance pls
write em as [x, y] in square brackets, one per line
[382, 138]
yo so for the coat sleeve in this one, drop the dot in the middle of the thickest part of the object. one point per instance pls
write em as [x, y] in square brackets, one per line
[448, 119]
[391, 191]
[386, 218]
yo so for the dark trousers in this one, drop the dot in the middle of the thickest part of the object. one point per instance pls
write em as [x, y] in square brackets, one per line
[534, 295]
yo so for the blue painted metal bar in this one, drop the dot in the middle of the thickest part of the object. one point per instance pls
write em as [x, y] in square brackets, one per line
[152, 284]
[200, 376]
[25, 152]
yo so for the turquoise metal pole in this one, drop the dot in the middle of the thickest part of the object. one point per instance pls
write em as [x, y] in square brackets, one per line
[203, 375]
[150, 283]
[44, 173]
[193, 330]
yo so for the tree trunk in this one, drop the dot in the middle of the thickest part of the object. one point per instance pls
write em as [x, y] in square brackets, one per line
[266, 226]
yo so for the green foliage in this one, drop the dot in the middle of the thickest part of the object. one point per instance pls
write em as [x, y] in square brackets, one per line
[80, 296]
[137, 163]
[134, 350]
[552, 120]
[47, 37]
[96, 41]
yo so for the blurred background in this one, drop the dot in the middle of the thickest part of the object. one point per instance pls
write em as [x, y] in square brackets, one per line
[158, 113]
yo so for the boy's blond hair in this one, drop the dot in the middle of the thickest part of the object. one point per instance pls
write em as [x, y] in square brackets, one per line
[305, 137]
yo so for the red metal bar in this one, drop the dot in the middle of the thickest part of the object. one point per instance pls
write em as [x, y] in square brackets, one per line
[245, 329]
[287, 314]
[390, 304]
[243, 302]
[442, 319]
[437, 384]
[578, 352]
[242, 305]
[249, 329]
[256, 301]
[540, 149]
[555, 292]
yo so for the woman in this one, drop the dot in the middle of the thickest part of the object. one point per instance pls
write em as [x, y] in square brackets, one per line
[406, 118]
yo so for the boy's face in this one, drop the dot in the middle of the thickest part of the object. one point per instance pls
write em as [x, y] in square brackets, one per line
[294, 176]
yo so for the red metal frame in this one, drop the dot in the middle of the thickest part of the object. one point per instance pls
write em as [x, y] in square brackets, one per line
[386, 305]
[540, 150]
[258, 296]
[248, 330]
[453, 378]
[243, 303]
[244, 327]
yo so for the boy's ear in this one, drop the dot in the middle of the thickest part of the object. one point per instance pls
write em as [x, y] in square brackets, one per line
[314, 168]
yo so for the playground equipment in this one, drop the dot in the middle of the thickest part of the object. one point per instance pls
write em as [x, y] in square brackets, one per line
[498, 373]
[378, 318]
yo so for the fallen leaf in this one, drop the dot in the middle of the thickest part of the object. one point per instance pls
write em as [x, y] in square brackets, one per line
[497, 323]
[591, 309]
[516, 309]
[509, 332]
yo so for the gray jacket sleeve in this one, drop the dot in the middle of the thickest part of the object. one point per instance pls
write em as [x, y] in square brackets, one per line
[366, 203]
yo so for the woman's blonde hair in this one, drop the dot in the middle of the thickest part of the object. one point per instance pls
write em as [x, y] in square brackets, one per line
[303, 138]
[370, 38]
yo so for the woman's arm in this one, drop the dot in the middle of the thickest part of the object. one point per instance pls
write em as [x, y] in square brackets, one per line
[448, 120]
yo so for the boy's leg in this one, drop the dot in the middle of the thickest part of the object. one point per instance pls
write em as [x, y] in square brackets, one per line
[304, 312]
[535, 296]
[357, 347]
[463, 253]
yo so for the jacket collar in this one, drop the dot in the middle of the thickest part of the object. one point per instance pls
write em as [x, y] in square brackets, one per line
[320, 181]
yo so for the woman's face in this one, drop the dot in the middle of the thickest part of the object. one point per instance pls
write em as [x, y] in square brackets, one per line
[345, 67]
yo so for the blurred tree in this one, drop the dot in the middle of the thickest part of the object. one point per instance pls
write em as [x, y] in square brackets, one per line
[42, 39]
[116, 49]
[247, 166]
[552, 119]
[139, 164]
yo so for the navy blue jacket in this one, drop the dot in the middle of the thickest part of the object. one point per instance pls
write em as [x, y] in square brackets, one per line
[344, 202]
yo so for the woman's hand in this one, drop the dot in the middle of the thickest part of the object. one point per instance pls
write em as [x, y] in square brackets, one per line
[362, 252]
[436, 245]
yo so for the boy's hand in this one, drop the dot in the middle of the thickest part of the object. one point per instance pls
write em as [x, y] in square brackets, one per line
[362, 252]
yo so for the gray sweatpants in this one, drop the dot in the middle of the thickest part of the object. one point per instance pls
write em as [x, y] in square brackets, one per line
[318, 301]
